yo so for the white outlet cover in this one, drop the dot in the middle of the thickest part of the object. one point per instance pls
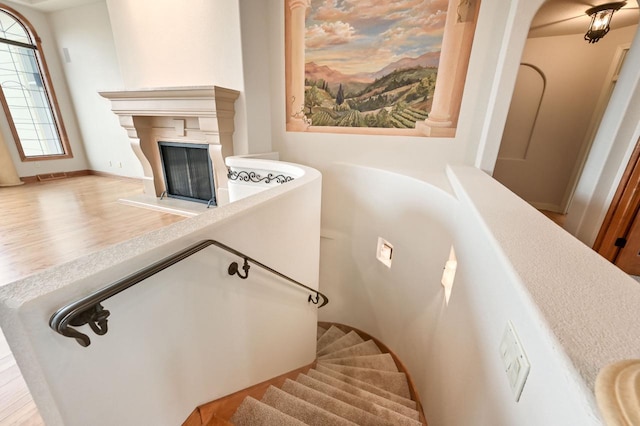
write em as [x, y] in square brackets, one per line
[515, 360]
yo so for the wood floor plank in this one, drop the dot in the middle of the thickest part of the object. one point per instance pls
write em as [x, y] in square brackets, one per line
[45, 224]
[48, 223]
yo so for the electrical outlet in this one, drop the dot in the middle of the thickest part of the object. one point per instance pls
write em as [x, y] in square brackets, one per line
[515, 360]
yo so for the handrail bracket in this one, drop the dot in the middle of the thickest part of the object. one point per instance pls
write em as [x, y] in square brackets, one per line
[89, 310]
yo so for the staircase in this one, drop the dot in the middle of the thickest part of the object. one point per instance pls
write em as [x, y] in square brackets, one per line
[355, 380]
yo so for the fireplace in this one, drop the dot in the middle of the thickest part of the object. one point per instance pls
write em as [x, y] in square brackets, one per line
[197, 116]
[187, 170]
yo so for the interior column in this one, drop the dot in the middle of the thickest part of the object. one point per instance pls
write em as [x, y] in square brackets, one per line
[296, 26]
[452, 70]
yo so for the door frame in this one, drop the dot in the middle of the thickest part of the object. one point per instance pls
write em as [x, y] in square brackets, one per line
[596, 119]
[622, 211]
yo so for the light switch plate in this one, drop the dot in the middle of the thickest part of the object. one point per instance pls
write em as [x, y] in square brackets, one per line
[515, 360]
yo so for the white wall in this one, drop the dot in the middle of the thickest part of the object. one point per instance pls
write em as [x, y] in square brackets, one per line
[193, 43]
[513, 265]
[575, 73]
[92, 66]
[618, 133]
[79, 162]
[189, 334]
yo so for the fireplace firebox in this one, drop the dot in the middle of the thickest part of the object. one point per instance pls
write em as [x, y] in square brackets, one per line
[188, 173]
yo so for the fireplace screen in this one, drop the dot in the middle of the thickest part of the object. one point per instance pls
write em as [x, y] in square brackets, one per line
[188, 173]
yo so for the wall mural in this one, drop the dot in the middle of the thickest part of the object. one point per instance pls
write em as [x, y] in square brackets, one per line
[371, 63]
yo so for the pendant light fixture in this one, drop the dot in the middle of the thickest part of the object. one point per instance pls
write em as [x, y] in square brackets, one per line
[600, 20]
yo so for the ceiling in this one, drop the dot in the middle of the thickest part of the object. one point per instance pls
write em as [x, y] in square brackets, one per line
[564, 17]
[53, 5]
[555, 17]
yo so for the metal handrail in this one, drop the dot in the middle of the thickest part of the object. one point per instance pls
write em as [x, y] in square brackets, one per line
[89, 310]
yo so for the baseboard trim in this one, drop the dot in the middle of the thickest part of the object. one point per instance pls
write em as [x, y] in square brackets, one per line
[112, 175]
[76, 173]
[55, 175]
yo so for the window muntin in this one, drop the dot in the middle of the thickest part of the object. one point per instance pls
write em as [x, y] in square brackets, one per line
[25, 97]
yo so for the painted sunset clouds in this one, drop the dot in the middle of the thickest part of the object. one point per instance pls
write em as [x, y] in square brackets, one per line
[355, 36]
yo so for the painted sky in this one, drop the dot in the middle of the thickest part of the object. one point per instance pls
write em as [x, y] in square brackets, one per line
[353, 36]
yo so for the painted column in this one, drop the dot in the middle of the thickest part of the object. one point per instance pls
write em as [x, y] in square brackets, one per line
[452, 70]
[8, 173]
[295, 102]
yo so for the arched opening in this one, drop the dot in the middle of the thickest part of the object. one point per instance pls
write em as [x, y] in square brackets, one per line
[579, 81]
[27, 95]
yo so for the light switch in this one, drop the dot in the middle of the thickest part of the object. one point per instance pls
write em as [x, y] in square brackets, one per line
[384, 252]
[515, 360]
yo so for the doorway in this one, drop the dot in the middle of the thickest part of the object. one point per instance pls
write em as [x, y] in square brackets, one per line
[562, 90]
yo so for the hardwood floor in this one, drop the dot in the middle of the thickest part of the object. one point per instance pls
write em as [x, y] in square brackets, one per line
[558, 218]
[48, 223]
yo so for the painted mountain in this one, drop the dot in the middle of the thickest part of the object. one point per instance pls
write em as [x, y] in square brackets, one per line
[397, 95]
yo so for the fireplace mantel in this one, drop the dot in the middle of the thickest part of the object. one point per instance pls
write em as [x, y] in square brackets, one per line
[198, 114]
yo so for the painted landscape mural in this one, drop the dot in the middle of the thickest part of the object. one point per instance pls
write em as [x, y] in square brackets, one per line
[372, 63]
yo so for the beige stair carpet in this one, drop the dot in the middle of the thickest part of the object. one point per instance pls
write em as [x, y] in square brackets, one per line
[393, 382]
[405, 410]
[366, 386]
[302, 410]
[252, 409]
[382, 362]
[353, 383]
[366, 405]
[365, 348]
[348, 340]
[332, 334]
[333, 405]
[321, 331]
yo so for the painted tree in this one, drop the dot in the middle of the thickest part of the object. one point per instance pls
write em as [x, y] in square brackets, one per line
[340, 95]
[312, 98]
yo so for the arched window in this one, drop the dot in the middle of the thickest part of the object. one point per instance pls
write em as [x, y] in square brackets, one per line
[27, 95]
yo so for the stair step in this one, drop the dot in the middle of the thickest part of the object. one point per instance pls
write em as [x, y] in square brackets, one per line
[407, 409]
[369, 405]
[302, 410]
[332, 334]
[333, 405]
[365, 348]
[393, 382]
[366, 386]
[321, 331]
[346, 341]
[382, 362]
[252, 412]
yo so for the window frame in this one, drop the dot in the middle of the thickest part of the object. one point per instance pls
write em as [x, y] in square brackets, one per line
[49, 91]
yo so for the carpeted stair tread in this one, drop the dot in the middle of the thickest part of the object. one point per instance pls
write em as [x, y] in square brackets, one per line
[366, 386]
[321, 331]
[331, 335]
[365, 348]
[301, 410]
[391, 381]
[382, 362]
[369, 406]
[407, 409]
[333, 405]
[252, 412]
[346, 341]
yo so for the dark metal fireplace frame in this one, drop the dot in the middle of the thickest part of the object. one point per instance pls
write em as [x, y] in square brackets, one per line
[210, 202]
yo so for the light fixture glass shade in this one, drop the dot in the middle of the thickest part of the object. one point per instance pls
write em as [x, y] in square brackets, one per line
[600, 20]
